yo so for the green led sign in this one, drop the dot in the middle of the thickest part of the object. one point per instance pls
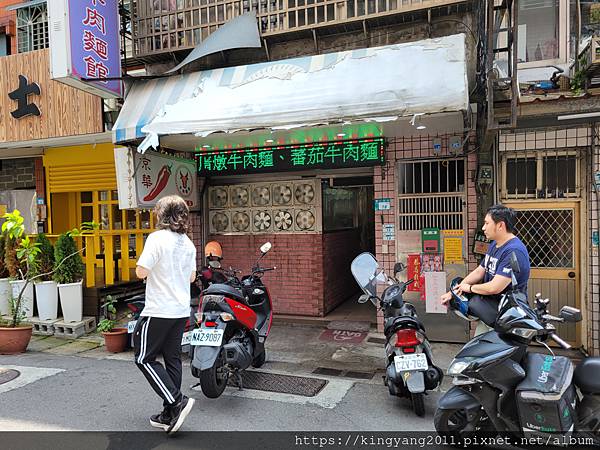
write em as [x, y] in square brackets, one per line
[320, 155]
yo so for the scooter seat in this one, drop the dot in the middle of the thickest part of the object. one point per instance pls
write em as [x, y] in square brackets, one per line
[393, 323]
[586, 376]
[226, 290]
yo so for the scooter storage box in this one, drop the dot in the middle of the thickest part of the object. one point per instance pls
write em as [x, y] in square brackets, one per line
[546, 397]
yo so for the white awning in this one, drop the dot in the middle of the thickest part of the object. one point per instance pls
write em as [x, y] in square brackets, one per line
[382, 83]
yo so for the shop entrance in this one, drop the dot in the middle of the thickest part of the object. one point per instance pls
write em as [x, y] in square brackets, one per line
[348, 230]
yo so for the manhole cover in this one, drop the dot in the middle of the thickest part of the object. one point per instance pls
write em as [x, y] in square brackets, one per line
[376, 340]
[7, 375]
[284, 384]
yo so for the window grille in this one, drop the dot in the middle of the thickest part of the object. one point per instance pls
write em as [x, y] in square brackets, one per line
[541, 174]
[32, 28]
[431, 194]
[549, 235]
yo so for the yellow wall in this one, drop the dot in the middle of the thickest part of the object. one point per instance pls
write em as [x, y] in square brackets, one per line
[80, 154]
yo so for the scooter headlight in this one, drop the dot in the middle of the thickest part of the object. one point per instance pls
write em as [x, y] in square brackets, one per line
[458, 366]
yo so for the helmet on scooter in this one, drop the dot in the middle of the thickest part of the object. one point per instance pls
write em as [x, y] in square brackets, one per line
[213, 250]
[460, 303]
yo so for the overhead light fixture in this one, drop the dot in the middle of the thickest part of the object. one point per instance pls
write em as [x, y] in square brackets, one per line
[206, 146]
[341, 135]
[269, 141]
[416, 121]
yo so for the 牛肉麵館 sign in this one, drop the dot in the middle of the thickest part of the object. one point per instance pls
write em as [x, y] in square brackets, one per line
[321, 155]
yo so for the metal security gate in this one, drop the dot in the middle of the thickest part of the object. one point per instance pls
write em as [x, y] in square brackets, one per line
[550, 233]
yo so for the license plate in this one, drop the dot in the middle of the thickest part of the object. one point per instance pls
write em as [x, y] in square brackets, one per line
[131, 326]
[208, 337]
[408, 363]
[186, 338]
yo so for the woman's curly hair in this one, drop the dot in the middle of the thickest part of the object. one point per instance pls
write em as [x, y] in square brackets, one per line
[172, 213]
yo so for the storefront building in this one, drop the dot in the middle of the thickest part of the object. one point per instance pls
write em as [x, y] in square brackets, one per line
[301, 152]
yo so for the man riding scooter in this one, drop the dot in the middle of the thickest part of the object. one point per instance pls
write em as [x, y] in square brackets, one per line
[207, 274]
[485, 285]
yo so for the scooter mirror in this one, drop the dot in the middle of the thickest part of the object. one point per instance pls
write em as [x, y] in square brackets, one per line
[363, 298]
[265, 247]
[514, 263]
[398, 267]
[570, 314]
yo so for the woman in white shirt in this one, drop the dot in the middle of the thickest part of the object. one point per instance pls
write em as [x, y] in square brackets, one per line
[168, 263]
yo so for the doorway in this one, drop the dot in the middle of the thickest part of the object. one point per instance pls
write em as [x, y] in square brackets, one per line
[348, 230]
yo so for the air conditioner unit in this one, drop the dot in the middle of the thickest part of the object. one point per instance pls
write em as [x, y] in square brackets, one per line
[590, 56]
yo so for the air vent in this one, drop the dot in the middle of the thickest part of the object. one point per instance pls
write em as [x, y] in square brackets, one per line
[217, 197]
[239, 195]
[261, 195]
[282, 194]
[262, 221]
[284, 220]
[219, 222]
[304, 193]
[240, 221]
[305, 220]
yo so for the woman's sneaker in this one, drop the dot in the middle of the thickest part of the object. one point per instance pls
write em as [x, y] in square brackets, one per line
[162, 420]
[179, 412]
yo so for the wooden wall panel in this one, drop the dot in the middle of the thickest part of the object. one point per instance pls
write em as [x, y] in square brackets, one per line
[65, 111]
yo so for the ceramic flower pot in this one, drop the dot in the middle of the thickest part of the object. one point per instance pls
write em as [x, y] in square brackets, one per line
[71, 301]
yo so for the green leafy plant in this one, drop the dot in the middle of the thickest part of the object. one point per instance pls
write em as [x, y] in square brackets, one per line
[71, 270]
[26, 253]
[579, 77]
[45, 261]
[108, 323]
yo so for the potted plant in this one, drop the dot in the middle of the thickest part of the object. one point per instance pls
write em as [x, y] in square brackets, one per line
[14, 335]
[114, 338]
[69, 277]
[13, 229]
[4, 284]
[46, 291]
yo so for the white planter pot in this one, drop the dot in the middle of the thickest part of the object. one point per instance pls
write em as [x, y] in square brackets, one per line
[46, 296]
[71, 301]
[27, 299]
[4, 296]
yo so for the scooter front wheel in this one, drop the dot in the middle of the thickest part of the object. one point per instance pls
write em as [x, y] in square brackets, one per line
[454, 424]
[213, 381]
[418, 404]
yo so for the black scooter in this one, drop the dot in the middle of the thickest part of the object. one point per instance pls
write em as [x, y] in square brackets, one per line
[501, 387]
[410, 371]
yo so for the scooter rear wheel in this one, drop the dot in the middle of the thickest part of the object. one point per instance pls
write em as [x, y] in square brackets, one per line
[418, 404]
[213, 381]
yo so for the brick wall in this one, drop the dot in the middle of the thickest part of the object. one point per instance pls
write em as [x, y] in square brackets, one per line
[339, 249]
[415, 148]
[8, 21]
[17, 174]
[296, 287]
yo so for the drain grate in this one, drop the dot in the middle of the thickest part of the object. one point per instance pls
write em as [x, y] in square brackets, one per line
[375, 340]
[283, 384]
[7, 375]
[328, 372]
[359, 375]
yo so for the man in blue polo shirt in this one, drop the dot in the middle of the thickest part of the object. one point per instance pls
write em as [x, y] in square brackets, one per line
[492, 277]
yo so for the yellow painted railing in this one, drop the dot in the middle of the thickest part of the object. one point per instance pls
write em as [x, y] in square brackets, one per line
[102, 243]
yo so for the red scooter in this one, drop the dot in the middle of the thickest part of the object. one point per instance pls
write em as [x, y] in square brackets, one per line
[233, 324]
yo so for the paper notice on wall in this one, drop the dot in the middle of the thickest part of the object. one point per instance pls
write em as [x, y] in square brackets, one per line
[453, 245]
[435, 286]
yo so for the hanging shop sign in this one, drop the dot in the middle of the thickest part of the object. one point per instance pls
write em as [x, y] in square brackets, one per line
[319, 155]
[144, 179]
[84, 44]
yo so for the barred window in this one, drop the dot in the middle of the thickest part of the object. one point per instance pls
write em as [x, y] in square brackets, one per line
[32, 28]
